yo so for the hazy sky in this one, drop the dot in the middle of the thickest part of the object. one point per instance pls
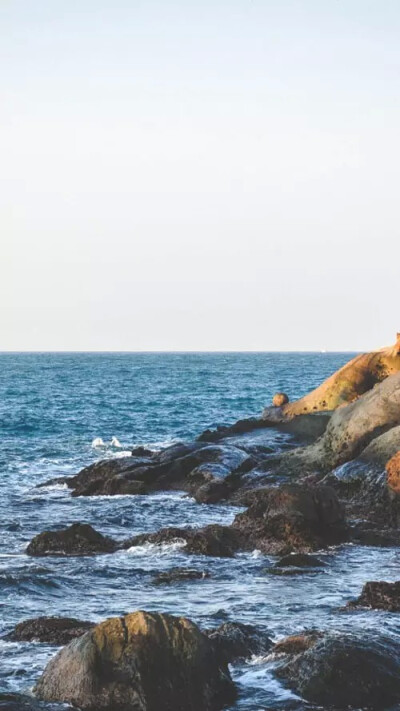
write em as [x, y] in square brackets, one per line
[200, 175]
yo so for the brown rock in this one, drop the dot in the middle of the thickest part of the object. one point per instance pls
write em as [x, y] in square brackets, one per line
[291, 518]
[347, 384]
[78, 539]
[380, 596]
[280, 399]
[140, 662]
[393, 473]
[296, 643]
[53, 630]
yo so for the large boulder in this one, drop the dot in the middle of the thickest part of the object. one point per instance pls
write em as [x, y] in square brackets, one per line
[53, 630]
[291, 518]
[140, 662]
[352, 429]
[346, 672]
[78, 539]
[354, 379]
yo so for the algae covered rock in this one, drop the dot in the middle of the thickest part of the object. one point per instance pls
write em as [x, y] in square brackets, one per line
[140, 662]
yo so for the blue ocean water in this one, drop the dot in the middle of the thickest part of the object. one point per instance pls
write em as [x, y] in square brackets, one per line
[54, 406]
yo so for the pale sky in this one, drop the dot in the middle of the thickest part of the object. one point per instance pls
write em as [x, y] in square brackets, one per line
[214, 175]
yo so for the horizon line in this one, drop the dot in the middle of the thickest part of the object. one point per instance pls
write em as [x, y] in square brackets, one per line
[163, 351]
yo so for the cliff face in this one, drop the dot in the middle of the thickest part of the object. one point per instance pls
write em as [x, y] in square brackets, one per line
[346, 385]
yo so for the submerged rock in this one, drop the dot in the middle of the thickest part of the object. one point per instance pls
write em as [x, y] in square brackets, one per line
[346, 671]
[299, 560]
[297, 643]
[21, 702]
[140, 662]
[213, 540]
[53, 630]
[178, 575]
[380, 596]
[78, 539]
[235, 641]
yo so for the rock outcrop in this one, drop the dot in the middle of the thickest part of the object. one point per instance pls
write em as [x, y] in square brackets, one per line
[53, 630]
[352, 429]
[292, 518]
[346, 385]
[140, 662]
[78, 539]
[346, 672]
[379, 595]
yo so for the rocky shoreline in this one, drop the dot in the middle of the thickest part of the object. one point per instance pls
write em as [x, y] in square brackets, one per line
[335, 481]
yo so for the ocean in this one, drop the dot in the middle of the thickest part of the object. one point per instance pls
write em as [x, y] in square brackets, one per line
[62, 411]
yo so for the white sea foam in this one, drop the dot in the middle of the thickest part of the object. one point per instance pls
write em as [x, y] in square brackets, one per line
[115, 442]
[98, 442]
[157, 549]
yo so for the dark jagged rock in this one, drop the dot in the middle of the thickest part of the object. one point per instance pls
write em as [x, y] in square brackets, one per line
[299, 560]
[179, 575]
[235, 641]
[297, 643]
[212, 492]
[140, 662]
[292, 518]
[142, 452]
[380, 596]
[239, 427]
[346, 671]
[53, 630]
[213, 540]
[78, 539]
[185, 467]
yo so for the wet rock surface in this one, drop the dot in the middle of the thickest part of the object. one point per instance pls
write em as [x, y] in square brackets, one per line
[140, 662]
[53, 630]
[178, 575]
[235, 641]
[292, 518]
[22, 702]
[78, 539]
[299, 560]
[346, 672]
[379, 595]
